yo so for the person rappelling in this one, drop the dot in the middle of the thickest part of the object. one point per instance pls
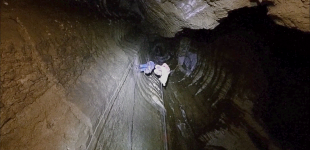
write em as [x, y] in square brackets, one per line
[161, 70]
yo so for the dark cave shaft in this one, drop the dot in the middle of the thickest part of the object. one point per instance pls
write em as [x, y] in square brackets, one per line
[70, 81]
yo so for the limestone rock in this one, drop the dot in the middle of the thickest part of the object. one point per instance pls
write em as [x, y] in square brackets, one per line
[291, 13]
[169, 17]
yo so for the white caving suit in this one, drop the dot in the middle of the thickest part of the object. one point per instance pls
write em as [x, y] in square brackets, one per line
[163, 71]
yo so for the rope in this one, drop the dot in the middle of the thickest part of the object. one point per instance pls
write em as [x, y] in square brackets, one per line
[112, 101]
[164, 120]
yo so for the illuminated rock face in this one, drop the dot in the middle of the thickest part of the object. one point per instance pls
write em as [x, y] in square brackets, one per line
[167, 17]
[174, 15]
[70, 79]
[291, 13]
[170, 16]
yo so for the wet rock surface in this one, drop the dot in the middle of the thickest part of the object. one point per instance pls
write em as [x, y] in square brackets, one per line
[70, 80]
[228, 100]
[216, 99]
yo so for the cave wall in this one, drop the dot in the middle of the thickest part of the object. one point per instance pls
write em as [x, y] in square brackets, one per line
[214, 109]
[70, 81]
[291, 13]
[167, 17]
[173, 15]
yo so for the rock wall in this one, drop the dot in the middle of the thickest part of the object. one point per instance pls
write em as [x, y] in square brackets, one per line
[70, 81]
[291, 13]
[167, 17]
[216, 109]
[170, 17]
